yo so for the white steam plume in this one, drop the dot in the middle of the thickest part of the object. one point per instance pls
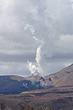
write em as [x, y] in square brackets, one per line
[32, 68]
[38, 59]
[36, 68]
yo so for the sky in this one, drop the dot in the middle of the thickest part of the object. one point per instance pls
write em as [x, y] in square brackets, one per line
[36, 36]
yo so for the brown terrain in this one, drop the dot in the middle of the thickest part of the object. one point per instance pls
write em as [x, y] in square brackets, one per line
[56, 98]
[59, 97]
[62, 78]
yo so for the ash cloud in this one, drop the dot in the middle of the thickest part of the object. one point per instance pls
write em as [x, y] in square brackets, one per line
[36, 68]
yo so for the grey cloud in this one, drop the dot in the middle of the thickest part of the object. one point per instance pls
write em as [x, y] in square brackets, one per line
[59, 57]
[50, 19]
[16, 58]
[63, 56]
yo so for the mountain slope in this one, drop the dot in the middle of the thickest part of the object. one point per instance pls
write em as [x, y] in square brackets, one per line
[63, 77]
[17, 84]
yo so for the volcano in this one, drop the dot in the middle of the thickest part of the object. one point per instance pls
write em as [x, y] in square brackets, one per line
[17, 84]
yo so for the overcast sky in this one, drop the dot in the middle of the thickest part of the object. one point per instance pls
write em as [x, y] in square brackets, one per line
[36, 36]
